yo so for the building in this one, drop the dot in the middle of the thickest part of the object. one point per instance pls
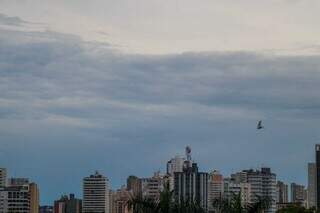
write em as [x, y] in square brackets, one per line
[68, 204]
[34, 198]
[120, 200]
[231, 188]
[311, 196]
[151, 187]
[3, 177]
[190, 184]
[134, 185]
[175, 165]
[46, 209]
[318, 175]
[15, 199]
[297, 193]
[17, 181]
[263, 184]
[215, 187]
[33, 191]
[282, 192]
[95, 194]
[19, 196]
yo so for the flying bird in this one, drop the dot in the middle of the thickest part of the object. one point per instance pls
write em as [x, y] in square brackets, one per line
[259, 126]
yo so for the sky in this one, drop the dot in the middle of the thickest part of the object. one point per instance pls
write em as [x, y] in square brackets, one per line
[123, 86]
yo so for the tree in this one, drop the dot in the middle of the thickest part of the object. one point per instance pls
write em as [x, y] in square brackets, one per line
[165, 204]
[235, 205]
[295, 209]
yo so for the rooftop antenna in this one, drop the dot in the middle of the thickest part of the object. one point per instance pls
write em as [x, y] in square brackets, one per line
[188, 153]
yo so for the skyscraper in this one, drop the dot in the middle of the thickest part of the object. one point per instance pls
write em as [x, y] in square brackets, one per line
[312, 185]
[297, 193]
[318, 175]
[263, 184]
[34, 197]
[190, 184]
[3, 177]
[95, 194]
[215, 187]
[282, 192]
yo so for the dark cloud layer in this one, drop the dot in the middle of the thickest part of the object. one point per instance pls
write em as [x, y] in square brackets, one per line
[68, 107]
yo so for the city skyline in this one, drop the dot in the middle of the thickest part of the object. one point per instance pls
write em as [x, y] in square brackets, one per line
[122, 86]
[97, 174]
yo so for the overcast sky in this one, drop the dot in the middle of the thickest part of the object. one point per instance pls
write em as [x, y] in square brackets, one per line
[122, 86]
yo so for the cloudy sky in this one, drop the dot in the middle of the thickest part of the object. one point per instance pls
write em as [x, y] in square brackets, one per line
[121, 86]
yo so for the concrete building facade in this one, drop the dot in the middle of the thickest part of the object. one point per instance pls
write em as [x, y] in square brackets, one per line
[282, 192]
[95, 194]
[263, 184]
[191, 185]
[311, 194]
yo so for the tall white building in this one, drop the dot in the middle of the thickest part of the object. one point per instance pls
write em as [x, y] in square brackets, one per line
[175, 165]
[263, 184]
[312, 181]
[96, 194]
[3, 177]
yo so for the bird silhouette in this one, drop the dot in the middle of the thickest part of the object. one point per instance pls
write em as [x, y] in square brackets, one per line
[259, 126]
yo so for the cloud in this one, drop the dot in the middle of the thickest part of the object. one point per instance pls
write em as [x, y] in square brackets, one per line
[13, 21]
[166, 26]
[59, 74]
[60, 94]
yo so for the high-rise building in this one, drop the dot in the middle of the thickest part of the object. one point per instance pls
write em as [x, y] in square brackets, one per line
[215, 187]
[134, 185]
[175, 165]
[15, 199]
[120, 200]
[95, 194]
[311, 197]
[282, 192]
[191, 185]
[19, 196]
[231, 188]
[263, 184]
[34, 198]
[151, 187]
[68, 204]
[297, 193]
[318, 175]
[3, 177]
